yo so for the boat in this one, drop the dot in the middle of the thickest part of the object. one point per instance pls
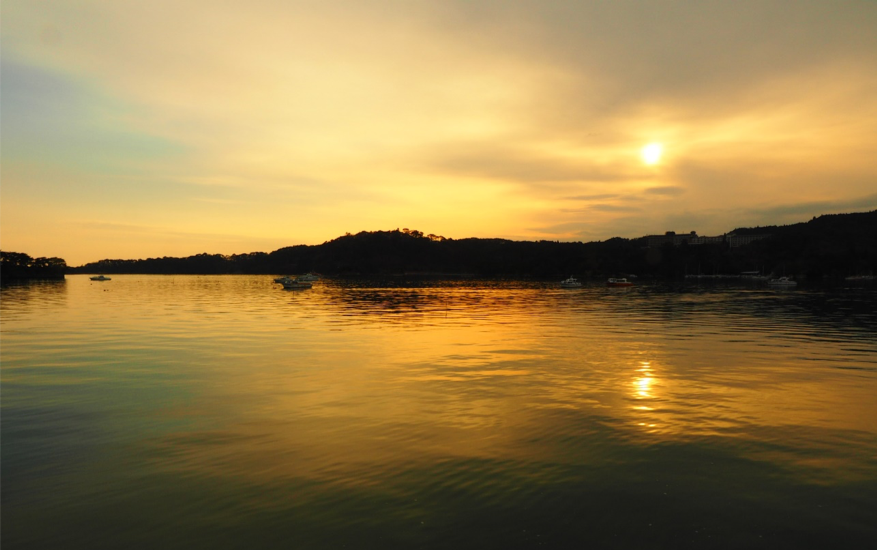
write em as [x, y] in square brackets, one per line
[295, 284]
[100, 278]
[572, 282]
[306, 278]
[618, 282]
[782, 281]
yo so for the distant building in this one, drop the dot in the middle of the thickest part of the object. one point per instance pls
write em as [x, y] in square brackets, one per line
[706, 240]
[692, 238]
[671, 237]
[735, 240]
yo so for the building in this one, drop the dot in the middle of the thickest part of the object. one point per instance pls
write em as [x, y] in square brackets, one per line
[735, 240]
[691, 238]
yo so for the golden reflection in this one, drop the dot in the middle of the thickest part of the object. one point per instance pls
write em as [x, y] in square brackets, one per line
[644, 388]
[404, 378]
[644, 382]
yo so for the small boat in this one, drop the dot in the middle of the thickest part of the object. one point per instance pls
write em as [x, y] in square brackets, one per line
[100, 278]
[782, 281]
[618, 282]
[572, 282]
[308, 277]
[286, 279]
[295, 284]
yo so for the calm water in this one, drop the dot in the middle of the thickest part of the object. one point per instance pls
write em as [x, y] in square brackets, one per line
[224, 412]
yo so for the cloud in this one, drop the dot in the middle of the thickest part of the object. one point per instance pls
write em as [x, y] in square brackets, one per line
[595, 197]
[614, 208]
[683, 52]
[797, 212]
[523, 164]
[666, 190]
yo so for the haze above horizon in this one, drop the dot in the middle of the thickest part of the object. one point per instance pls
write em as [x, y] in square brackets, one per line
[135, 130]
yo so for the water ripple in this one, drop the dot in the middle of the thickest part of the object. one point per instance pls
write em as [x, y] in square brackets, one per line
[411, 413]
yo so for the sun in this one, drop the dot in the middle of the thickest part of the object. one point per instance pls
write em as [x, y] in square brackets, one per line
[651, 153]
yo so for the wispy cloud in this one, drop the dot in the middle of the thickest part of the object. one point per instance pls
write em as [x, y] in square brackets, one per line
[665, 190]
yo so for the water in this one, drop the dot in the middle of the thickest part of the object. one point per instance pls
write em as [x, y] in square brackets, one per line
[224, 412]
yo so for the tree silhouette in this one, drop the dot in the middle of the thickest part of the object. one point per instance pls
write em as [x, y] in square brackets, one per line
[832, 245]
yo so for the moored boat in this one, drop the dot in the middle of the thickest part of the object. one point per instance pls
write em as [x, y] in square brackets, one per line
[782, 281]
[618, 282]
[572, 282]
[100, 278]
[295, 284]
[308, 277]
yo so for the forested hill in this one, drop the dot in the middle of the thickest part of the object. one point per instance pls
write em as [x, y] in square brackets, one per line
[832, 245]
[17, 265]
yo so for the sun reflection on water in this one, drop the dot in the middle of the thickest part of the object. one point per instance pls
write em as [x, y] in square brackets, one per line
[643, 385]
[229, 398]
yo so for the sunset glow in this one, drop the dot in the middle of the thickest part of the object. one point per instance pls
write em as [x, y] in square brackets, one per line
[651, 153]
[130, 132]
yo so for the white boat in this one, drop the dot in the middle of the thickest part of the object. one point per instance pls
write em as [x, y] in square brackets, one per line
[572, 282]
[295, 284]
[782, 281]
[618, 282]
[308, 277]
[100, 278]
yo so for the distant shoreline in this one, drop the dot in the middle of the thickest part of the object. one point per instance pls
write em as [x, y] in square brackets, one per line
[830, 246]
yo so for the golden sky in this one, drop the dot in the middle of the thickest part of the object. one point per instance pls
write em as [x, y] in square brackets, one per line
[138, 129]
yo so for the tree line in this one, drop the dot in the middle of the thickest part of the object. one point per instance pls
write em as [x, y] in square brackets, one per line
[834, 245]
[17, 265]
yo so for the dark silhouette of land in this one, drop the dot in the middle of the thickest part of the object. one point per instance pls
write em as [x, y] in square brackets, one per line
[834, 245]
[17, 266]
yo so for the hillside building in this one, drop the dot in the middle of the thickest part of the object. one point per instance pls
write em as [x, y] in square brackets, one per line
[692, 238]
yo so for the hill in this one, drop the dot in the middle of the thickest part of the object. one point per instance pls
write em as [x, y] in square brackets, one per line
[830, 245]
